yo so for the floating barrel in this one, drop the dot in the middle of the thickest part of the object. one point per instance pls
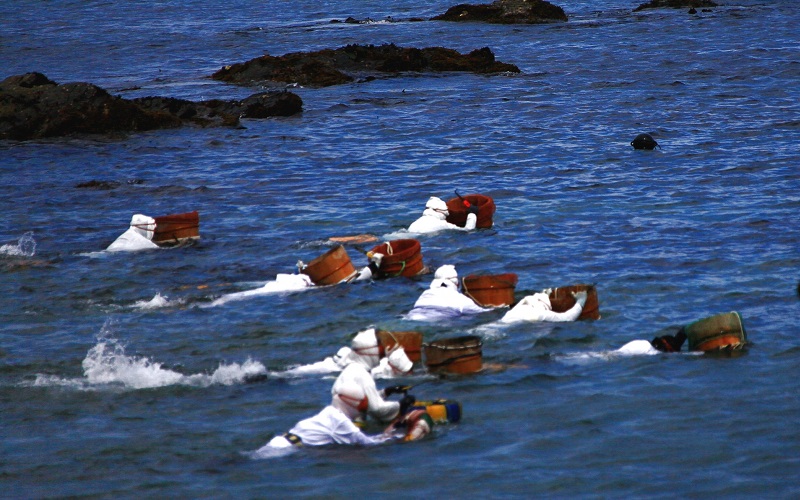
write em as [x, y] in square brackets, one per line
[332, 267]
[716, 332]
[400, 258]
[441, 411]
[457, 355]
[411, 342]
[495, 290]
[458, 212]
[561, 300]
[177, 228]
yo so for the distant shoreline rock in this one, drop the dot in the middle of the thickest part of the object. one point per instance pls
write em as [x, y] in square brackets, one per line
[34, 107]
[328, 67]
[675, 4]
[505, 12]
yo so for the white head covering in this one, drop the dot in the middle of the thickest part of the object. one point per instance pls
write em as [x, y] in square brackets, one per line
[349, 398]
[435, 203]
[365, 349]
[445, 276]
[398, 360]
[436, 207]
[143, 225]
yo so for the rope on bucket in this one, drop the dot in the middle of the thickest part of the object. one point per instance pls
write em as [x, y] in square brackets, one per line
[402, 268]
[467, 293]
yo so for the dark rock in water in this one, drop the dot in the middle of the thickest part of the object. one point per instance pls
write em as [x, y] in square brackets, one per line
[107, 185]
[506, 12]
[644, 141]
[218, 112]
[336, 66]
[93, 184]
[34, 107]
[675, 4]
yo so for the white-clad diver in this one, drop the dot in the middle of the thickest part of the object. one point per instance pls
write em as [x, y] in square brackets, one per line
[537, 307]
[333, 425]
[364, 357]
[442, 300]
[434, 218]
[139, 236]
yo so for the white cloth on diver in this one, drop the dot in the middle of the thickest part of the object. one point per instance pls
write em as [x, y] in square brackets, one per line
[334, 424]
[331, 364]
[537, 307]
[638, 347]
[364, 357]
[434, 219]
[282, 283]
[287, 283]
[396, 364]
[377, 407]
[138, 236]
[330, 426]
[443, 300]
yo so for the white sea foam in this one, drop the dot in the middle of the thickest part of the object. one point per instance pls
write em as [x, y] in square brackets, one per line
[108, 365]
[25, 246]
[157, 302]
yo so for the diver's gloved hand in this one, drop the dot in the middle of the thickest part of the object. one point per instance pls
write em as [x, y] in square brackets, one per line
[580, 298]
[471, 208]
[406, 403]
[375, 260]
[396, 389]
[375, 257]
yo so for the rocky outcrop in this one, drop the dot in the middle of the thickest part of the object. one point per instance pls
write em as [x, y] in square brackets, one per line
[506, 12]
[336, 66]
[675, 4]
[33, 107]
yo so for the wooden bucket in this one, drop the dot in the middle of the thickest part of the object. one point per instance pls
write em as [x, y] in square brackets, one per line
[441, 411]
[456, 355]
[177, 228]
[716, 332]
[330, 268]
[495, 290]
[458, 212]
[411, 342]
[561, 300]
[400, 258]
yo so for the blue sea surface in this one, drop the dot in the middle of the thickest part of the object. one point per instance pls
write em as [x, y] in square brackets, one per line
[118, 379]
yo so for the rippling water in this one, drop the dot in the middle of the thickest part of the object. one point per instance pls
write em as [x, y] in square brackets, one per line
[117, 379]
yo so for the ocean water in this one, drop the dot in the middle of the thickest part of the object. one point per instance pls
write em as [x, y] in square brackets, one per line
[118, 378]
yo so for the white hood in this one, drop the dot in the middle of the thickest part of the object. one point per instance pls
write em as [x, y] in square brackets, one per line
[364, 349]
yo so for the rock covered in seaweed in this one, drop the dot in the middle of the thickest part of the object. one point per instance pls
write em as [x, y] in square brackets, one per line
[33, 107]
[328, 67]
[675, 4]
[506, 12]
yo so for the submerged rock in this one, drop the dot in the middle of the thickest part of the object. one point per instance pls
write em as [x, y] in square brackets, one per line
[33, 107]
[675, 4]
[506, 12]
[328, 67]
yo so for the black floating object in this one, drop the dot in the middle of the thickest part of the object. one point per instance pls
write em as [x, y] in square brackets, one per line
[255, 378]
[644, 141]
